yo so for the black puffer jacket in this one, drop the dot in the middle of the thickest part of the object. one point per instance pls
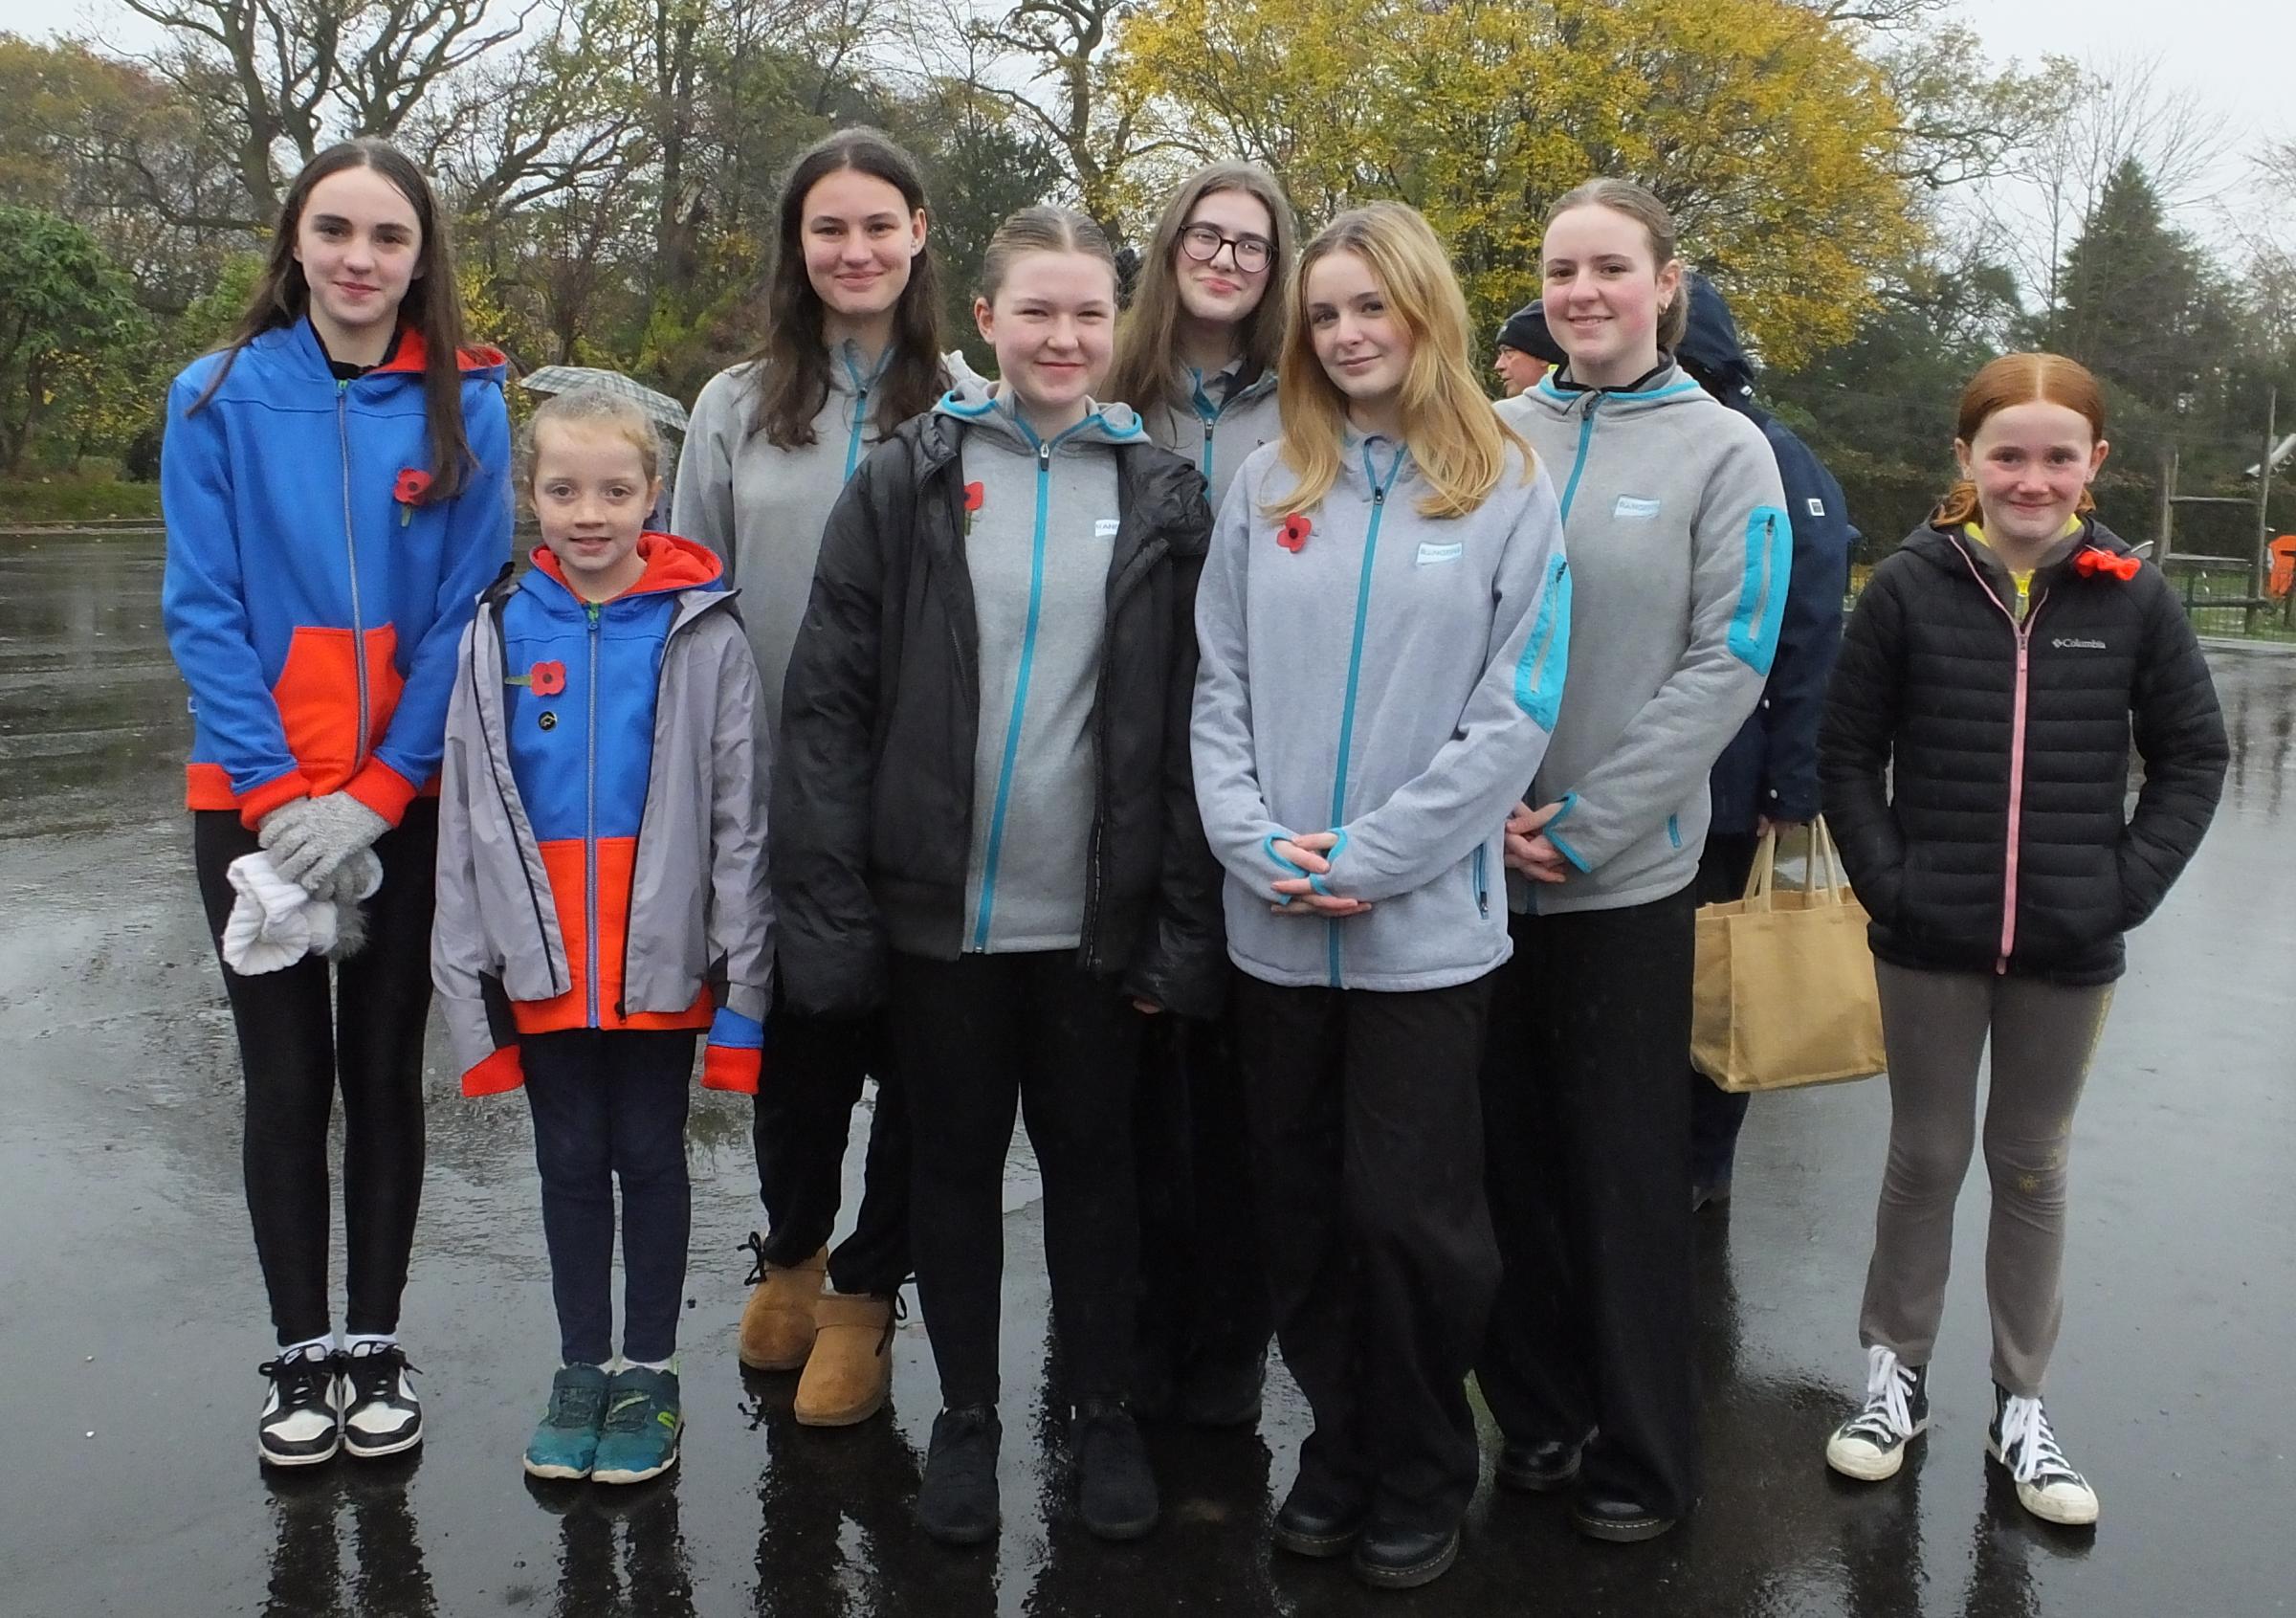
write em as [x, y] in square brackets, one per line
[1975, 775]
[872, 791]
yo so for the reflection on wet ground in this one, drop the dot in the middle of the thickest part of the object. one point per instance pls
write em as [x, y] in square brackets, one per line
[131, 1315]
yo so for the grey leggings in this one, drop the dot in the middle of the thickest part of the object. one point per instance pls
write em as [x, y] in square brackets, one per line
[1934, 1025]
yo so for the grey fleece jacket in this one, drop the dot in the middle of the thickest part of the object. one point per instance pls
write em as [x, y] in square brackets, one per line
[1390, 676]
[1040, 527]
[761, 508]
[1218, 421]
[1679, 547]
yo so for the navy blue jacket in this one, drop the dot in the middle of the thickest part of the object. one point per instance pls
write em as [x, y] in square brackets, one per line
[1771, 767]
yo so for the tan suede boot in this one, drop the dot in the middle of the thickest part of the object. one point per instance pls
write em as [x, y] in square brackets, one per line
[777, 1323]
[851, 1372]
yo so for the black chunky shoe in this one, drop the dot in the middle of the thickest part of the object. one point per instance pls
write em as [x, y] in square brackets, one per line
[1393, 1557]
[1316, 1523]
[1116, 1492]
[301, 1424]
[1622, 1522]
[957, 1502]
[1542, 1466]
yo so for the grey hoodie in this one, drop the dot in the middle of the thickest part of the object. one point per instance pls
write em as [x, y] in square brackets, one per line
[761, 508]
[1388, 675]
[1679, 547]
[1040, 528]
[1217, 423]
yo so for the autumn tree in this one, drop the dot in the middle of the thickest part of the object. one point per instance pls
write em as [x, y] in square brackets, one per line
[61, 302]
[1773, 142]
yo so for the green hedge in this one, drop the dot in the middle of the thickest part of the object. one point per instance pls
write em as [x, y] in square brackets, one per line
[75, 498]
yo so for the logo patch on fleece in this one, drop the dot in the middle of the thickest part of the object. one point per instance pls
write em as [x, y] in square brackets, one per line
[1429, 555]
[1817, 506]
[1634, 509]
[1105, 528]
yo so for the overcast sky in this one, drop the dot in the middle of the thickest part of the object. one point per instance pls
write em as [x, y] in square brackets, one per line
[2239, 54]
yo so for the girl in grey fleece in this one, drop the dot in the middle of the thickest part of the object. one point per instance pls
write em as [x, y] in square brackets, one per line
[1679, 547]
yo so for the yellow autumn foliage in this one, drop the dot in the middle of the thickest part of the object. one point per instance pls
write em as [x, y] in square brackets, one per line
[1770, 137]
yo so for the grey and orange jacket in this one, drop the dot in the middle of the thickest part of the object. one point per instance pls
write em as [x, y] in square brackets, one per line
[601, 833]
[313, 597]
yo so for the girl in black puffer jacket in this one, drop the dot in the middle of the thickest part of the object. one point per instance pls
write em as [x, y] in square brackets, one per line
[1974, 762]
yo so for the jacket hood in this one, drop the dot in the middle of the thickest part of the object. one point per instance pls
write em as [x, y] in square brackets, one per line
[672, 565]
[1710, 350]
[1238, 393]
[850, 371]
[1670, 387]
[979, 403]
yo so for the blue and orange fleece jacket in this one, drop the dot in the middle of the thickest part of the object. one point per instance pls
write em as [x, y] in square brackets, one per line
[602, 829]
[313, 596]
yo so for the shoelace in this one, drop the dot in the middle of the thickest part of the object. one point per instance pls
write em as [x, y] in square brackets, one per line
[2029, 1444]
[302, 1378]
[375, 1375]
[1888, 1411]
[755, 1247]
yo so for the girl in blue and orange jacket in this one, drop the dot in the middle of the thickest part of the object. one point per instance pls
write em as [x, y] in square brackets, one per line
[336, 485]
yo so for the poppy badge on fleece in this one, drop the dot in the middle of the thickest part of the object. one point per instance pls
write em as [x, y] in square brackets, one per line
[413, 483]
[1295, 532]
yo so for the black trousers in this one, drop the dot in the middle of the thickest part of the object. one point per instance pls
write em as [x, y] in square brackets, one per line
[1367, 1139]
[609, 1108]
[803, 1113]
[977, 1037]
[1716, 1114]
[304, 1033]
[1203, 1299]
[1589, 1124]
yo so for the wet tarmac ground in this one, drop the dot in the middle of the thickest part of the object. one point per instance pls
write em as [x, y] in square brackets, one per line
[132, 1316]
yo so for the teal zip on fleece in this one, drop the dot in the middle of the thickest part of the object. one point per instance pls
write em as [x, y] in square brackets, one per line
[1354, 665]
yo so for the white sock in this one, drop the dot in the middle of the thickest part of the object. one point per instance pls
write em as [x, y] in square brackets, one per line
[319, 1347]
[370, 1342]
[669, 1364]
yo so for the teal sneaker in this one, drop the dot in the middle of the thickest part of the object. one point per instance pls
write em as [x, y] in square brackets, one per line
[566, 1443]
[642, 1425]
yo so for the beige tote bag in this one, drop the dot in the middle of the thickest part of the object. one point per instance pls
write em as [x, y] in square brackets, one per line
[1784, 992]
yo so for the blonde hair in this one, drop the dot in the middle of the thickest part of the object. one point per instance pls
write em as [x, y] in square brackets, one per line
[1641, 205]
[1144, 375]
[1045, 228]
[1457, 440]
[593, 406]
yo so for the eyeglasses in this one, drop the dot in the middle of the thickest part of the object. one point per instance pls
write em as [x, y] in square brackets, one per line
[1203, 242]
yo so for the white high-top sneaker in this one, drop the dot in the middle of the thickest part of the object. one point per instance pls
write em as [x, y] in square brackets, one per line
[1871, 1445]
[2046, 1484]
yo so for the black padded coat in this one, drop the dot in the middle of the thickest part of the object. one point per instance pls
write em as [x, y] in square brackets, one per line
[872, 790]
[1976, 771]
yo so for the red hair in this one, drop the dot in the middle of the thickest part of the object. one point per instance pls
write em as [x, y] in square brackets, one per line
[2020, 379]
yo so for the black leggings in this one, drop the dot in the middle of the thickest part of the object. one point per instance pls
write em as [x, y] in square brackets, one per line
[295, 1048]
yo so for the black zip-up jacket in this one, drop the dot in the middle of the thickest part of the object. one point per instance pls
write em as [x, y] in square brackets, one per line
[873, 793]
[1976, 771]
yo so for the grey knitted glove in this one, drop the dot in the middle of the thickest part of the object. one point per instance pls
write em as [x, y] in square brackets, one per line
[310, 838]
[353, 884]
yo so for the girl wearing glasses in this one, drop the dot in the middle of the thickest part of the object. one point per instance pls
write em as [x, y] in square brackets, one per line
[1196, 358]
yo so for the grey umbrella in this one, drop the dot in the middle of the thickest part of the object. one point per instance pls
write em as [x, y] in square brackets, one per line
[572, 379]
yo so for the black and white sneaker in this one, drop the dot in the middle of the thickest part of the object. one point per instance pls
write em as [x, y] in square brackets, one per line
[1871, 1445]
[301, 1424]
[381, 1415]
[2046, 1484]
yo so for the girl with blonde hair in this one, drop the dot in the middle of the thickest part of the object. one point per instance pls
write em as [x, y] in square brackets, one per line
[1384, 625]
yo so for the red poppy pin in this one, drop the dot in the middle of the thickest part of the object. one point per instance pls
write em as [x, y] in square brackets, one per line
[974, 494]
[1295, 532]
[2091, 561]
[548, 678]
[413, 484]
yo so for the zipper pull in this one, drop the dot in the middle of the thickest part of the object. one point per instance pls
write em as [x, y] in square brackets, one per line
[1043, 456]
[1379, 496]
[592, 609]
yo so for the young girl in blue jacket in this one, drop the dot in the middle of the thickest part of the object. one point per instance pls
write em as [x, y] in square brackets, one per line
[335, 481]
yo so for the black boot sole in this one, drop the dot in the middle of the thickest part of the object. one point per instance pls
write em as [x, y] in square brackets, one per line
[1118, 1533]
[1537, 1482]
[1631, 1531]
[1412, 1576]
[1319, 1547]
[962, 1538]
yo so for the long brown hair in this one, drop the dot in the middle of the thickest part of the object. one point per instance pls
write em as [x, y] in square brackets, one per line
[2019, 379]
[433, 306]
[1641, 205]
[1457, 439]
[1143, 375]
[1045, 227]
[792, 363]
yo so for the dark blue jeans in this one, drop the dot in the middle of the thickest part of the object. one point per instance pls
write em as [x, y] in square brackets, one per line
[611, 1106]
